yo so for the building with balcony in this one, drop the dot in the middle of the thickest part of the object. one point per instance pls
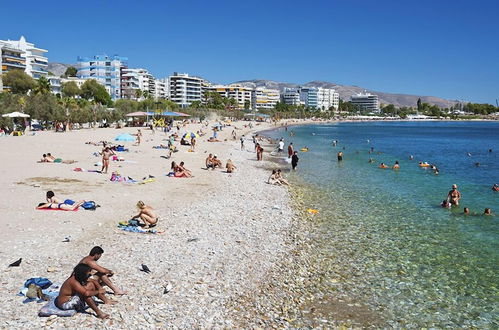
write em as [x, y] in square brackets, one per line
[160, 88]
[291, 96]
[185, 89]
[78, 81]
[137, 84]
[241, 94]
[23, 55]
[366, 101]
[264, 98]
[319, 98]
[55, 84]
[106, 70]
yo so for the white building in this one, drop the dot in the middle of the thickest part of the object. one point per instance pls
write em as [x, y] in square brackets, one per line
[185, 89]
[55, 84]
[78, 81]
[291, 96]
[319, 98]
[20, 54]
[137, 84]
[241, 94]
[106, 70]
[161, 88]
[264, 98]
[366, 101]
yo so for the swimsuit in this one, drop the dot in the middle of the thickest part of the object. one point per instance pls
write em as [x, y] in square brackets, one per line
[75, 302]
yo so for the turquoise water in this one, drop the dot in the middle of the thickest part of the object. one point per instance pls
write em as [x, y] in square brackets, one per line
[387, 241]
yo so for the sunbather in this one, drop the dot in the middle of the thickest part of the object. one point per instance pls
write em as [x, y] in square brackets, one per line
[280, 178]
[230, 166]
[209, 162]
[78, 290]
[273, 178]
[217, 162]
[58, 206]
[52, 199]
[147, 215]
[181, 166]
[102, 274]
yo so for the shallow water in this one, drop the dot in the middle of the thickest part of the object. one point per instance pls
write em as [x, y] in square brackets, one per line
[383, 238]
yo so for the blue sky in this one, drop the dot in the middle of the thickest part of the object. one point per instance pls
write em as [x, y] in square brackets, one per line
[445, 48]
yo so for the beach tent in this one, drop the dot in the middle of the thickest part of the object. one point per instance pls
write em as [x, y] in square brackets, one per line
[16, 115]
[190, 135]
[124, 137]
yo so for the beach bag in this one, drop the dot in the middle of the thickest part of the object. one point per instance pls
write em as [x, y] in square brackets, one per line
[69, 202]
[42, 282]
[90, 205]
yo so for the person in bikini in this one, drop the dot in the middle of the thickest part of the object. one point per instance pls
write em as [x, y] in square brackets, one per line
[280, 178]
[102, 274]
[106, 153]
[78, 291]
[147, 215]
[188, 173]
[230, 166]
[60, 206]
[454, 195]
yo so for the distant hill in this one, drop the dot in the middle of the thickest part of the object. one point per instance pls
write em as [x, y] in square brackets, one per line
[58, 69]
[345, 91]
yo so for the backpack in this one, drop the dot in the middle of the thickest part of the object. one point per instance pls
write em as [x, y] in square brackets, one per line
[42, 282]
[90, 205]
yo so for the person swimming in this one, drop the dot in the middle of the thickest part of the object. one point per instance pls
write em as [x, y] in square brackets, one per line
[487, 211]
[383, 165]
[495, 187]
[396, 166]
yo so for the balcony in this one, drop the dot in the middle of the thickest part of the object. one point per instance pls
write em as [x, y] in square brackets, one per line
[11, 55]
[13, 64]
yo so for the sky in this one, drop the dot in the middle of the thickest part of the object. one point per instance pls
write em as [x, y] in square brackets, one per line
[444, 48]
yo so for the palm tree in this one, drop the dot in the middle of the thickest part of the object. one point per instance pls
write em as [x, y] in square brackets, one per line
[42, 86]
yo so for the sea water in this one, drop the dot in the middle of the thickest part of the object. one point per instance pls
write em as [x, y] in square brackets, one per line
[383, 238]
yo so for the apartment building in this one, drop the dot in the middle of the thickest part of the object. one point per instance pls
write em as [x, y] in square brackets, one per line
[137, 84]
[319, 98]
[241, 94]
[366, 101]
[55, 84]
[185, 89]
[106, 70]
[161, 88]
[264, 98]
[291, 96]
[22, 55]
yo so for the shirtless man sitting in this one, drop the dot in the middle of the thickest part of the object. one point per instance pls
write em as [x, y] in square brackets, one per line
[78, 291]
[209, 162]
[147, 215]
[103, 274]
[216, 162]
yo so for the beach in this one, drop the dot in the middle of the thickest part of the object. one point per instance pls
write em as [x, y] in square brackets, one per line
[222, 232]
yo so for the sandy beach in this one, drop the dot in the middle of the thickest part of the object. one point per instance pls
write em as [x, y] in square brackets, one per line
[222, 232]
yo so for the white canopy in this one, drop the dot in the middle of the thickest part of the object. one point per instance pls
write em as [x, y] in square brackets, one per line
[16, 114]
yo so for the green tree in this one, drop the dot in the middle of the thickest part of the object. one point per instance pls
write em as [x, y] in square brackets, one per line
[42, 86]
[247, 105]
[138, 94]
[70, 89]
[18, 81]
[70, 72]
[93, 91]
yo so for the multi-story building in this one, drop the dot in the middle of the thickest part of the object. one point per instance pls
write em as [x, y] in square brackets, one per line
[20, 54]
[185, 89]
[78, 81]
[264, 98]
[106, 70]
[319, 98]
[291, 96]
[55, 84]
[241, 94]
[161, 88]
[135, 80]
[10, 59]
[366, 101]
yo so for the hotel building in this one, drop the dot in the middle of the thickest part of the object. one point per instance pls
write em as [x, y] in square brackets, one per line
[106, 70]
[185, 89]
[366, 101]
[291, 96]
[161, 88]
[264, 98]
[241, 94]
[22, 55]
[319, 98]
[135, 80]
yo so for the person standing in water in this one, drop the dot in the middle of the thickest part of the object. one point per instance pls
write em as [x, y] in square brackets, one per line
[294, 160]
[454, 195]
[340, 156]
[290, 150]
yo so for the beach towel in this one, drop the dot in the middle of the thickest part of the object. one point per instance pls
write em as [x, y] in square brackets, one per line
[51, 292]
[51, 309]
[57, 210]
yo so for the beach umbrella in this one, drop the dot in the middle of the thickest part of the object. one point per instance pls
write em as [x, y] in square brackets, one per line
[137, 114]
[190, 135]
[181, 114]
[124, 137]
[16, 115]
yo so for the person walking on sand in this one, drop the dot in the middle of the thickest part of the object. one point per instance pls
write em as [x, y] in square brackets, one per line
[294, 160]
[281, 146]
[454, 195]
[242, 142]
[147, 215]
[78, 291]
[139, 135]
[106, 153]
[193, 143]
[102, 274]
[290, 150]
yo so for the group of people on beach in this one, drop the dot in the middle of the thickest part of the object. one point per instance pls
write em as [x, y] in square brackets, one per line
[212, 162]
[453, 198]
